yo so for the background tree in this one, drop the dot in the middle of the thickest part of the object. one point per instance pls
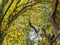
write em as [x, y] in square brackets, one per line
[19, 17]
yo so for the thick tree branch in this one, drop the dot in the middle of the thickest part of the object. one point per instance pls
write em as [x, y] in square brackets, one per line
[13, 10]
[53, 15]
[1, 19]
[6, 11]
[25, 8]
[6, 27]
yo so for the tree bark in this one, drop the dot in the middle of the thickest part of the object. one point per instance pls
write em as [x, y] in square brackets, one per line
[54, 22]
[58, 39]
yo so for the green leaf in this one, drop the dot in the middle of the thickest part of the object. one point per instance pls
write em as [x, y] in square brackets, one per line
[42, 28]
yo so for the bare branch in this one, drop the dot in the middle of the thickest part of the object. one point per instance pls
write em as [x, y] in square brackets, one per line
[6, 11]
[14, 10]
[32, 26]
[17, 7]
[55, 38]
[53, 15]
[25, 8]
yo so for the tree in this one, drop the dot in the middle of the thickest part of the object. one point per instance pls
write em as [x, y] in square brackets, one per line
[5, 19]
[12, 9]
[56, 27]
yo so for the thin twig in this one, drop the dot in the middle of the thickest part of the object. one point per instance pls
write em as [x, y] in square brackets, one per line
[32, 26]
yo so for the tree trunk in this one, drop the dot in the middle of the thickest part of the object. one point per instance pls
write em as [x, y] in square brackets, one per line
[54, 22]
[58, 38]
